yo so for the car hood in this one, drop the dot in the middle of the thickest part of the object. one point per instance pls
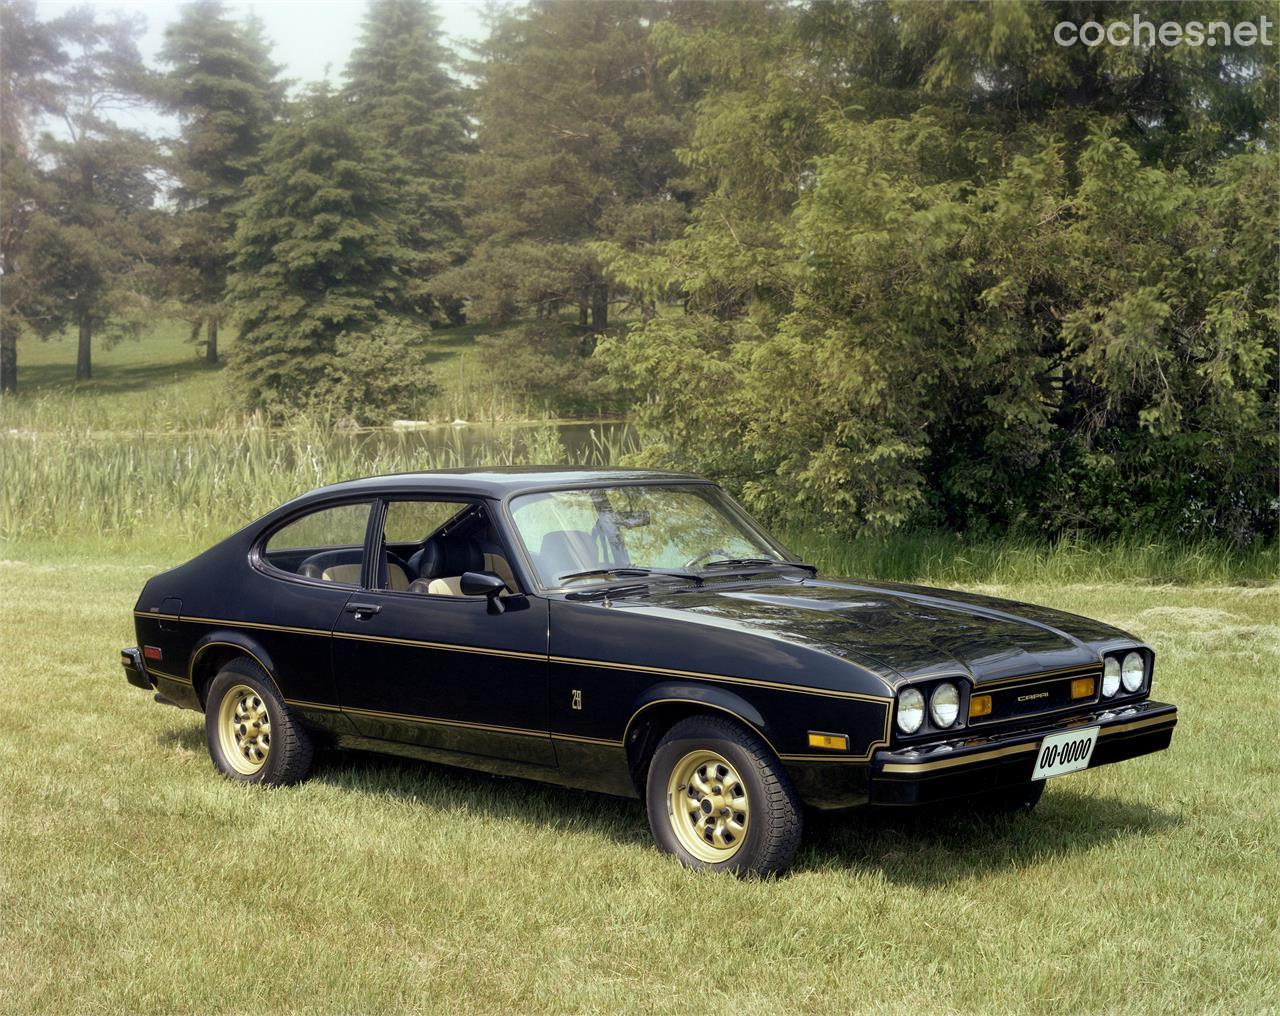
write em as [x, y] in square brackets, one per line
[903, 632]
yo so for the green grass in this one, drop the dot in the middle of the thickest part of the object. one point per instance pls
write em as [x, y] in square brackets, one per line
[161, 382]
[132, 878]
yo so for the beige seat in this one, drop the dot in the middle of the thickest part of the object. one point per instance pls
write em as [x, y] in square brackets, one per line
[451, 585]
[350, 575]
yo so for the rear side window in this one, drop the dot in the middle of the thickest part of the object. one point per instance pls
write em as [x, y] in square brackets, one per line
[327, 544]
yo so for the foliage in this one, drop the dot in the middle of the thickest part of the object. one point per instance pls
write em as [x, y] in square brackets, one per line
[319, 256]
[29, 52]
[222, 85]
[400, 89]
[376, 378]
[950, 285]
[578, 128]
[88, 228]
[545, 362]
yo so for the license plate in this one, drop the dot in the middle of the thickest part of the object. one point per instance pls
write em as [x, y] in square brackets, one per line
[1065, 753]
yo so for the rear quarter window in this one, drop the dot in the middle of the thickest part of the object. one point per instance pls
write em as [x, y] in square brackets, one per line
[326, 544]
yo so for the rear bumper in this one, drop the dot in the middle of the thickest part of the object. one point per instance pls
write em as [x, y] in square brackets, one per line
[937, 772]
[135, 668]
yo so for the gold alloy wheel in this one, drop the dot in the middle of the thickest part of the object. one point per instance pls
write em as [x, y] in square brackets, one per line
[244, 729]
[707, 806]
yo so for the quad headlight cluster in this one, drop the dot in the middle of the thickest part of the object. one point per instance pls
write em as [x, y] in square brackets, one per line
[1128, 671]
[943, 704]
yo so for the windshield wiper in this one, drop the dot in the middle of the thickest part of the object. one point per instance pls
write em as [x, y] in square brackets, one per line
[760, 562]
[627, 571]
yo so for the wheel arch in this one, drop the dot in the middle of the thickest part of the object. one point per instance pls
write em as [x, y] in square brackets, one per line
[666, 704]
[218, 648]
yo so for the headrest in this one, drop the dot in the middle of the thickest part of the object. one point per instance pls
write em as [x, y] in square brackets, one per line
[567, 550]
[444, 557]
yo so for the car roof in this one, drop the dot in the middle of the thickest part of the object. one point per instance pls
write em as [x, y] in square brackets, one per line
[498, 482]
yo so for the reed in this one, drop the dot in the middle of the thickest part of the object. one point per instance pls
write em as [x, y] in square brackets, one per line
[84, 485]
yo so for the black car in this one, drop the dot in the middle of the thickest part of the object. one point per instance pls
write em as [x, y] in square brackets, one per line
[633, 633]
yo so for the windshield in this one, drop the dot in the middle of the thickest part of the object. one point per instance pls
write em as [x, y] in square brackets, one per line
[628, 528]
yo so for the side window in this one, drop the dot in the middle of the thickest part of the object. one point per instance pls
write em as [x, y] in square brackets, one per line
[421, 559]
[327, 544]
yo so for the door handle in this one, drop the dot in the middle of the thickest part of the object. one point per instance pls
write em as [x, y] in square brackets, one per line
[363, 610]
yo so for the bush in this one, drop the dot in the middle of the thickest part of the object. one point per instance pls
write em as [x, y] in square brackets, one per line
[550, 363]
[376, 377]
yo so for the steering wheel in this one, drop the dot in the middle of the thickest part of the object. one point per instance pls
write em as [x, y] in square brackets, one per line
[694, 561]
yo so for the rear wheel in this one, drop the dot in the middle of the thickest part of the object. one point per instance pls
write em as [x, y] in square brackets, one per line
[250, 732]
[719, 799]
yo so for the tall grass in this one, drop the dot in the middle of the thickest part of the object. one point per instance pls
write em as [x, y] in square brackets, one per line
[951, 559]
[81, 485]
[75, 488]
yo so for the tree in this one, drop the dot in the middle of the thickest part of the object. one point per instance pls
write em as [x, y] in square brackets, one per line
[96, 230]
[319, 258]
[30, 53]
[948, 272]
[222, 85]
[400, 90]
[578, 130]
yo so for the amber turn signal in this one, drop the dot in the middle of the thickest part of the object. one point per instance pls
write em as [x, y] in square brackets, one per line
[1082, 687]
[834, 742]
[979, 705]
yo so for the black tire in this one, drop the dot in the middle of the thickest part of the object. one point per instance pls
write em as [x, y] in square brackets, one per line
[773, 830]
[1016, 800]
[289, 753]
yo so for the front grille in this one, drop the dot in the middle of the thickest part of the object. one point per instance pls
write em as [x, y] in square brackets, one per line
[1035, 696]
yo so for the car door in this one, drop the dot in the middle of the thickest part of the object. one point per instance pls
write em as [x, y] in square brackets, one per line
[305, 569]
[439, 669]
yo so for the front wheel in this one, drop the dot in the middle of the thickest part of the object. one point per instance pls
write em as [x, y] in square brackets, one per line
[719, 799]
[251, 734]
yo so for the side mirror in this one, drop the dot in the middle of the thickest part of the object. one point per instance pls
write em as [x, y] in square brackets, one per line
[486, 584]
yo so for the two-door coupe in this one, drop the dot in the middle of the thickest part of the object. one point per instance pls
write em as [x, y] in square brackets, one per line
[633, 633]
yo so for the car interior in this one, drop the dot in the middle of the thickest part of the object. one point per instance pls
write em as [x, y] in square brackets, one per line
[467, 542]
[433, 564]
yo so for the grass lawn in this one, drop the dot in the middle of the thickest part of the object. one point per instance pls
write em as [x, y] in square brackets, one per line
[131, 877]
[161, 381]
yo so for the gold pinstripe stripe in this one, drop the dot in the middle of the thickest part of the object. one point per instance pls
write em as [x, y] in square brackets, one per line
[947, 763]
[167, 676]
[723, 678]
[1150, 721]
[570, 660]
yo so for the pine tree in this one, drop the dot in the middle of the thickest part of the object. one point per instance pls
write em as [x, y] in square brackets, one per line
[319, 257]
[222, 84]
[578, 132]
[400, 90]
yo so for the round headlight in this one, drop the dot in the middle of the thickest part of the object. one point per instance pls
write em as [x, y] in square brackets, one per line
[1110, 677]
[944, 704]
[910, 710]
[1131, 672]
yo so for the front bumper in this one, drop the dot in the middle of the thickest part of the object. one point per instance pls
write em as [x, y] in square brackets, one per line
[922, 774]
